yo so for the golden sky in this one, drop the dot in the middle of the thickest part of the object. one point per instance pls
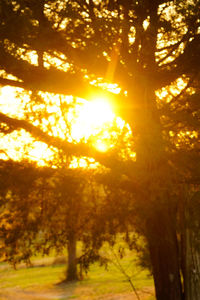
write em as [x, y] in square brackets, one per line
[88, 120]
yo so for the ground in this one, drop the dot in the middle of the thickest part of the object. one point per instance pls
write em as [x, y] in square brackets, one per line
[43, 280]
[67, 292]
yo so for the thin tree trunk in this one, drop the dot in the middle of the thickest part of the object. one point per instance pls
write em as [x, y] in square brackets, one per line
[41, 19]
[72, 261]
[192, 249]
[192, 274]
[164, 256]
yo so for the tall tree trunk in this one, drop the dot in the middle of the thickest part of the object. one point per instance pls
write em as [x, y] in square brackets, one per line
[192, 273]
[72, 261]
[164, 256]
[160, 208]
[192, 248]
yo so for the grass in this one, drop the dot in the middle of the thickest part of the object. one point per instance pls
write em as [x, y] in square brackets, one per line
[29, 277]
[98, 283]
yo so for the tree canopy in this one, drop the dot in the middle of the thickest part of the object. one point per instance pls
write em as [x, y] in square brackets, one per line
[150, 49]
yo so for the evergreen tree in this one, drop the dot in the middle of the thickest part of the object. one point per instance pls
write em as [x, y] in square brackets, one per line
[43, 209]
[146, 47]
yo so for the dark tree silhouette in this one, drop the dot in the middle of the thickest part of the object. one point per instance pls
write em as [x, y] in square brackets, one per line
[145, 47]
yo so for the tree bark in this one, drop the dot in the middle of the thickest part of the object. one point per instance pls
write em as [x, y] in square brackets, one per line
[72, 261]
[156, 203]
[192, 274]
[164, 256]
[192, 248]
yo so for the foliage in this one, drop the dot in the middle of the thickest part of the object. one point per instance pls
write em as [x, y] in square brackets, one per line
[40, 207]
[149, 48]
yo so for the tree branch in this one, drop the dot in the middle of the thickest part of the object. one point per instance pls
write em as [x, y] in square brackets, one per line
[107, 159]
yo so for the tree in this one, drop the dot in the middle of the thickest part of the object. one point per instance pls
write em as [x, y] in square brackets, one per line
[144, 46]
[68, 214]
[42, 209]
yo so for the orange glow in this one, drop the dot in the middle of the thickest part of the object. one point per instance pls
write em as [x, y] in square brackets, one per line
[92, 118]
[101, 146]
[91, 121]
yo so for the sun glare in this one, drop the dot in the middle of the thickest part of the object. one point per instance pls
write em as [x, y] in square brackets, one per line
[101, 145]
[92, 116]
[90, 120]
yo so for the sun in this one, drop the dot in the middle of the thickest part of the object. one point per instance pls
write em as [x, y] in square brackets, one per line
[91, 118]
[98, 112]
[89, 121]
